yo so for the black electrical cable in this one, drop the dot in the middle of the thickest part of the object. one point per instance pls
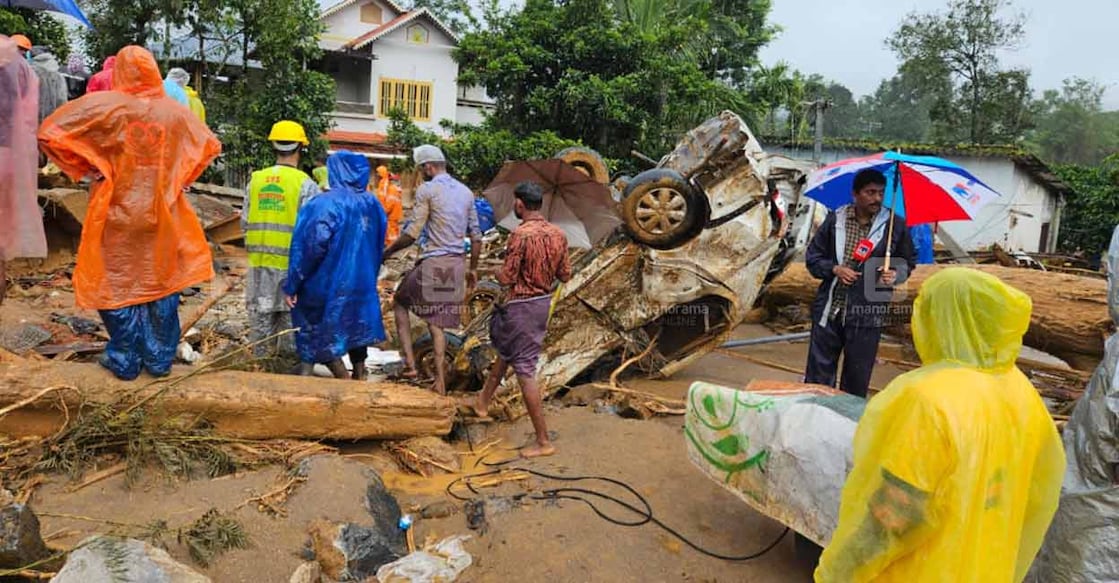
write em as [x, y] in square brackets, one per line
[646, 514]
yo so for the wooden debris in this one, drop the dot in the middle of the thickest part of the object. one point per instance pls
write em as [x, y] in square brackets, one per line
[238, 404]
[1069, 319]
[219, 287]
[75, 348]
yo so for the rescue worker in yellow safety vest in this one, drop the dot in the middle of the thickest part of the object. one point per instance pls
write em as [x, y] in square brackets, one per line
[957, 465]
[390, 197]
[319, 173]
[272, 201]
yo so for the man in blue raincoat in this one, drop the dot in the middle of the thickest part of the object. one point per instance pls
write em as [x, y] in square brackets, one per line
[335, 258]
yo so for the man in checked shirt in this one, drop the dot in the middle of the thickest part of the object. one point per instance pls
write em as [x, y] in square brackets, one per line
[535, 259]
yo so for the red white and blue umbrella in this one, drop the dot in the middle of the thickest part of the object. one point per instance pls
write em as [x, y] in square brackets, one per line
[931, 189]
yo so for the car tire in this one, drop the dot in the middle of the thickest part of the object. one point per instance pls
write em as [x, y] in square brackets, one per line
[483, 296]
[424, 351]
[586, 161]
[661, 210]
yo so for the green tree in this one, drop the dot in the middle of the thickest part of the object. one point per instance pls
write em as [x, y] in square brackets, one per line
[574, 68]
[38, 25]
[899, 110]
[283, 36]
[985, 104]
[1072, 126]
[476, 153]
[1093, 210]
[458, 15]
[119, 23]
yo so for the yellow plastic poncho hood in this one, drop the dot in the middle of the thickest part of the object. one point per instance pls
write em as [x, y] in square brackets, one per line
[957, 465]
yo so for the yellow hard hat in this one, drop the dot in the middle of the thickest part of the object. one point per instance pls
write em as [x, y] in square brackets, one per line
[288, 131]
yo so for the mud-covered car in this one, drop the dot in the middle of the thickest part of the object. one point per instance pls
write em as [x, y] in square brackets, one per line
[700, 234]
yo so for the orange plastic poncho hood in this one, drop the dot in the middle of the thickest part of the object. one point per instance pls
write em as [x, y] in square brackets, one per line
[141, 240]
[136, 73]
[957, 465]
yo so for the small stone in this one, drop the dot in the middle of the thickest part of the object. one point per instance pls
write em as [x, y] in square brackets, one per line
[309, 572]
[439, 510]
[20, 540]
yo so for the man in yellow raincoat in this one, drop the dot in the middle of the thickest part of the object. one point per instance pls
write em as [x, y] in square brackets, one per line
[141, 240]
[957, 465]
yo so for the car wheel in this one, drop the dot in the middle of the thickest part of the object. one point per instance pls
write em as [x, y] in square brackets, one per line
[660, 209]
[424, 351]
[483, 296]
[586, 161]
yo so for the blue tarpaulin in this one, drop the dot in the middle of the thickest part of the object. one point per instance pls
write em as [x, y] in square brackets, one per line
[922, 236]
[67, 7]
[334, 262]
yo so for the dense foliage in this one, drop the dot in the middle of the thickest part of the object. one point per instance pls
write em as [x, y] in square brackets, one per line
[39, 26]
[612, 81]
[476, 153]
[1093, 210]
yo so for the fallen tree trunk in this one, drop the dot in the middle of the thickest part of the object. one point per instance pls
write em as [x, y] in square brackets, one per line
[1069, 320]
[238, 404]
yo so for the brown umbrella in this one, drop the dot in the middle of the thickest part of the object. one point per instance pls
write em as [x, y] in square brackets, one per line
[573, 201]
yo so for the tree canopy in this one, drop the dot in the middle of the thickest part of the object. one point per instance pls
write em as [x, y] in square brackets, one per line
[39, 26]
[597, 72]
[953, 57]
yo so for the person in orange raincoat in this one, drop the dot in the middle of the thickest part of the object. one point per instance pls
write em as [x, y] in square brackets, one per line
[390, 197]
[141, 241]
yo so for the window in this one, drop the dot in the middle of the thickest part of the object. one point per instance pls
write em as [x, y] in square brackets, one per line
[371, 14]
[414, 97]
[417, 34]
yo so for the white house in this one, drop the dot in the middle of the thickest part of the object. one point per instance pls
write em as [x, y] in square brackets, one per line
[1026, 218]
[382, 57]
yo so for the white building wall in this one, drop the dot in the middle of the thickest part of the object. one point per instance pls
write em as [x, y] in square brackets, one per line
[346, 24]
[397, 58]
[1004, 221]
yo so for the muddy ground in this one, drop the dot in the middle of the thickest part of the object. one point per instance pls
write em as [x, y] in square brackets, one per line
[525, 539]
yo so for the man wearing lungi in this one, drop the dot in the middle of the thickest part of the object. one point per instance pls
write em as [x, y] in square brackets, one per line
[535, 258]
[434, 290]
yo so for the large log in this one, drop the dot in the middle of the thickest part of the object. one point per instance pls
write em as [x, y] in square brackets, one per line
[238, 404]
[1070, 318]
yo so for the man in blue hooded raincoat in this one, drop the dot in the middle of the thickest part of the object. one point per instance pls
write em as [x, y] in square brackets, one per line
[335, 258]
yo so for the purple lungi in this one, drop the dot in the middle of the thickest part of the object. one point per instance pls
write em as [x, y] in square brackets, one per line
[435, 289]
[517, 332]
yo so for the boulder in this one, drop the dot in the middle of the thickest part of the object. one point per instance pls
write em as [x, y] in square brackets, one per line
[103, 558]
[20, 541]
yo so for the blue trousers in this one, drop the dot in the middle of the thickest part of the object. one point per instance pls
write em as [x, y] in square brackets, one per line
[144, 336]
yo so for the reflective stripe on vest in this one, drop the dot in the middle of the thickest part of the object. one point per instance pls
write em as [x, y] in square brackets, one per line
[273, 204]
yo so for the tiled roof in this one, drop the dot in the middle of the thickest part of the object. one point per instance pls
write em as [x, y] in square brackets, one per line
[329, 7]
[396, 23]
[355, 137]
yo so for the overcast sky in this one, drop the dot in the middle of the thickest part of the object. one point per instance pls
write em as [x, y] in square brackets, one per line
[844, 40]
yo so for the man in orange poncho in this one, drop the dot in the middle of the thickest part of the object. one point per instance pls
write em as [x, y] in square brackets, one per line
[141, 241]
[389, 195]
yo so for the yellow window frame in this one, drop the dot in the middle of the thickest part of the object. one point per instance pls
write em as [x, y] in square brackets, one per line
[412, 96]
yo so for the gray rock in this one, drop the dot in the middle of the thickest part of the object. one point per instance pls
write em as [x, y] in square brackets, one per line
[20, 541]
[103, 558]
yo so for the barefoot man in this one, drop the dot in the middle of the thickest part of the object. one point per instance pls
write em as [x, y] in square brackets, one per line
[535, 258]
[443, 216]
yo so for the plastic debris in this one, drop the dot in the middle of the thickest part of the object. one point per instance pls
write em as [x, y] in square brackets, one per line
[441, 563]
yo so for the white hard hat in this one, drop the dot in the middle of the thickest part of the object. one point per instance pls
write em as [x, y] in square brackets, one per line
[427, 153]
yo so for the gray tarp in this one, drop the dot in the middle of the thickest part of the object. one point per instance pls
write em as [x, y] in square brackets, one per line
[1082, 544]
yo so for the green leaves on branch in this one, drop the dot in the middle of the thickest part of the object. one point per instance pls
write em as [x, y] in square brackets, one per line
[476, 153]
[39, 26]
[616, 75]
[1092, 211]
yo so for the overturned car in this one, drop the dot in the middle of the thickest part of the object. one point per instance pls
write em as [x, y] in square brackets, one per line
[701, 234]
